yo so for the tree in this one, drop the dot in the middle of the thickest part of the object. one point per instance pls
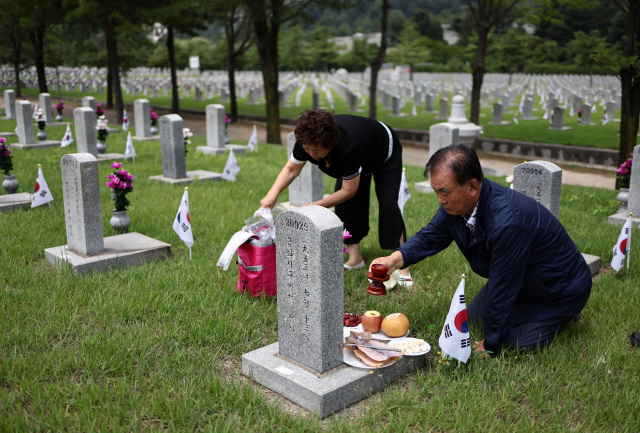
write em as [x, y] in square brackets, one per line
[360, 56]
[514, 49]
[377, 62]
[322, 50]
[239, 37]
[12, 32]
[585, 48]
[396, 24]
[185, 16]
[294, 54]
[427, 25]
[268, 17]
[411, 48]
[630, 79]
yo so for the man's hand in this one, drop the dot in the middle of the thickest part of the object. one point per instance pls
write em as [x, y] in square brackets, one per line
[478, 346]
[393, 262]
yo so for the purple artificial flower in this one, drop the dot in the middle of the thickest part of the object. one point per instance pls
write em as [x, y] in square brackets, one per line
[121, 185]
[122, 173]
[115, 180]
[116, 165]
[110, 184]
[226, 119]
[2, 140]
[346, 235]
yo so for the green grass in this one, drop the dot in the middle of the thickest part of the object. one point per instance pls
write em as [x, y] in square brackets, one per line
[598, 136]
[158, 347]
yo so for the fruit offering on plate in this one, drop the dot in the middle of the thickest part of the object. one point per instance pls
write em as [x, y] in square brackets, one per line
[371, 321]
[351, 320]
[413, 346]
[395, 325]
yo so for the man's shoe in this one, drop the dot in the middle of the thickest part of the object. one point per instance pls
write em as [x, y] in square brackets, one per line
[635, 338]
[353, 268]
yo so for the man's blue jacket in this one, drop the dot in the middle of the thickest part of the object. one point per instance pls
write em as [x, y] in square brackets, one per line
[535, 270]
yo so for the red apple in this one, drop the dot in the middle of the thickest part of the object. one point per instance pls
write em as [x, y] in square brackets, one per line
[372, 321]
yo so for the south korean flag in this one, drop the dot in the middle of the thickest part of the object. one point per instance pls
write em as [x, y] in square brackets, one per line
[129, 151]
[455, 340]
[621, 247]
[253, 140]
[42, 194]
[231, 167]
[403, 194]
[125, 121]
[182, 223]
[68, 138]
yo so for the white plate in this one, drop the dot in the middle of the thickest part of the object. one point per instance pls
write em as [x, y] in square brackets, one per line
[378, 335]
[350, 358]
[398, 341]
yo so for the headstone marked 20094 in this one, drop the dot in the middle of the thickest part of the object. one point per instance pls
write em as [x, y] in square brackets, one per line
[541, 180]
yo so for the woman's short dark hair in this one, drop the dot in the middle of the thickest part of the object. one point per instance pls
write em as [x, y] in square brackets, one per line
[461, 160]
[317, 126]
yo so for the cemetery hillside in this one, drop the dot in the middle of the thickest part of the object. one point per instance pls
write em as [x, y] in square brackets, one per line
[201, 204]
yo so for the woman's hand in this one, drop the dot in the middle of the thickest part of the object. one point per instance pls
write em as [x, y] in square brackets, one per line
[269, 201]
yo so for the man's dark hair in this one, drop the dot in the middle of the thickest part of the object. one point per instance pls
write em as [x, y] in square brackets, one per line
[461, 160]
[316, 126]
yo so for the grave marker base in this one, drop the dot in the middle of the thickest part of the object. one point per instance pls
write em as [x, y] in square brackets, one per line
[333, 391]
[192, 176]
[564, 128]
[37, 145]
[149, 138]
[425, 186]
[593, 262]
[15, 201]
[105, 157]
[529, 118]
[399, 115]
[621, 218]
[7, 134]
[504, 122]
[237, 149]
[61, 124]
[129, 249]
[114, 130]
[442, 118]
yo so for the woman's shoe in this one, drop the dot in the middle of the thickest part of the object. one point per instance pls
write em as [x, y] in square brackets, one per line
[405, 280]
[353, 268]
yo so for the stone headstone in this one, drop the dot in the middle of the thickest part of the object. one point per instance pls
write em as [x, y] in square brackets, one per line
[558, 120]
[553, 103]
[585, 114]
[10, 104]
[611, 111]
[309, 265]
[541, 180]
[577, 103]
[497, 114]
[215, 126]
[442, 135]
[84, 119]
[142, 119]
[25, 124]
[395, 105]
[173, 155]
[428, 104]
[82, 209]
[308, 187]
[316, 98]
[44, 100]
[634, 190]
[282, 98]
[443, 109]
[89, 101]
[527, 110]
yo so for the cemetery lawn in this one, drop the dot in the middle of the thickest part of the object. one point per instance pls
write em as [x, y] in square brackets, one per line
[598, 135]
[158, 347]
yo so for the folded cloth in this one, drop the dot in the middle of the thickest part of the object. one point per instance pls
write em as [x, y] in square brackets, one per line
[236, 240]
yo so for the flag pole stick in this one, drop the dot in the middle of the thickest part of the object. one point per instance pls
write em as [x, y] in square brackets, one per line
[49, 205]
[629, 241]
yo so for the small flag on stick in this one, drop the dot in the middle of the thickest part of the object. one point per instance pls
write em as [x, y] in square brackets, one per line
[125, 121]
[67, 139]
[182, 223]
[455, 340]
[403, 195]
[231, 167]
[129, 151]
[253, 140]
[622, 247]
[41, 195]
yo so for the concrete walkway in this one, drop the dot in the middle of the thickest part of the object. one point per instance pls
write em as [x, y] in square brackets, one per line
[414, 154]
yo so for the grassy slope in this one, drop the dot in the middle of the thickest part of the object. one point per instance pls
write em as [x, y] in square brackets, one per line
[157, 346]
[589, 136]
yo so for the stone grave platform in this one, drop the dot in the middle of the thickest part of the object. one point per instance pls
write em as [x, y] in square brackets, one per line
[504, 122]
[150, 138]
[114, 130]
[621, 218]
[7, 134]
[37, 145]
[237, 149]
[564, 128]
[15, 201]
[59, 123]
[528, 118]
[192, 176]
[129, 249]
[399, 115]
[321, 394]
[593, 262]
[105, 157]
